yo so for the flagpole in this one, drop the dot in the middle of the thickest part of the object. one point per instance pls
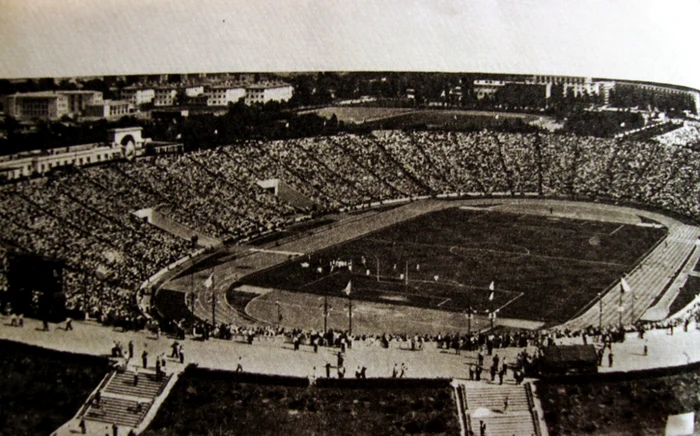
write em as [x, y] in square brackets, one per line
[377, 257]
[325, 314]
[349, 315]
[213, 301]
[406, 276]
[622, 291]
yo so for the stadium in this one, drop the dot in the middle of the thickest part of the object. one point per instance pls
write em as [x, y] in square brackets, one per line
[432, 247]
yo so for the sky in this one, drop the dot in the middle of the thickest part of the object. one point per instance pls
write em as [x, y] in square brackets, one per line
[646, 40]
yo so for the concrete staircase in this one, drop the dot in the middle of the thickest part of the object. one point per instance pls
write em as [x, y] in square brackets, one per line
[122, 404]
[484, 402]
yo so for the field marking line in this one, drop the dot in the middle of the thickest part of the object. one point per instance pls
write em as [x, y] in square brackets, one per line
[319, 279]
[511, 300]
[286, 253]
[616, 230]
[444, 301]
[540, 256]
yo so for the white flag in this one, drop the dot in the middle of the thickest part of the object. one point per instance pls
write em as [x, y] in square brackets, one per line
[624, 286]
[492, 286]
[348, 288]
[209, 281]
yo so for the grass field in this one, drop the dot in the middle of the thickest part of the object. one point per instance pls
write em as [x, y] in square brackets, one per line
[359, 114]
[626, 407]
[544, 268]
[220, 406]
[42, 389]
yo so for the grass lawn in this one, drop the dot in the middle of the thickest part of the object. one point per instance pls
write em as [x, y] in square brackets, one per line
[42, 389]
[561, 264]
[222, 406]
[690, 289]
[632, 407]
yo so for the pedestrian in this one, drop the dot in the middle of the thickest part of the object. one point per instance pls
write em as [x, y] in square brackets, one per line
[20, 320]
[394, 372]
[239, 367]
[479, 368]
[144, 358]
[341, 372]
[610, 359]
[97, 399]
[328, 370]
[403, 370]
[505, 404]
[341, 359]
[646, 348]
[174, 347]
[315, 343]
[136, 376]
[46, 325]
[363, 372]
[182, 354]
[131, 349]
[482, 428]
[83, 429]
[115, 430]
[69, 324]
[13, 320]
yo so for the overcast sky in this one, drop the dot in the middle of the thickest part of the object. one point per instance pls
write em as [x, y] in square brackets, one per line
[641, 39]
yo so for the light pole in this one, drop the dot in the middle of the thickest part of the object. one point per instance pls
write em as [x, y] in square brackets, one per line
[620, 309]
[279, 312]
[469, 321]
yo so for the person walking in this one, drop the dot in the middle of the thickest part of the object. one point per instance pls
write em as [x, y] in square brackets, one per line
[136, 376]
[505, 404]
[144, 358]
[610, 359]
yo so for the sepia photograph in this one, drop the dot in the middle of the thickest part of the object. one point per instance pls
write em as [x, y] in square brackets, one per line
[389, 217]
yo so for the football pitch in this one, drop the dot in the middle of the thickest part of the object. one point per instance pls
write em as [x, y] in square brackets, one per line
[538, 268]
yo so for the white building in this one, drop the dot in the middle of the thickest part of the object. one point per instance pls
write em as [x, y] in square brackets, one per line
[194, 90]
[165, 96]
[222, 95]
[264, 92]
[49, 105]
[110, 109]
[137, 95]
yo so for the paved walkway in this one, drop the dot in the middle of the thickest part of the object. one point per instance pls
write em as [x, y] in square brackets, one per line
[272, 356]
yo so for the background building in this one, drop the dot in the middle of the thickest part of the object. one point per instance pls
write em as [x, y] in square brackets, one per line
[264, 92]
[222, 95]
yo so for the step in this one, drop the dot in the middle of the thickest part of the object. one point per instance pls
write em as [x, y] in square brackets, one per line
[117, 411]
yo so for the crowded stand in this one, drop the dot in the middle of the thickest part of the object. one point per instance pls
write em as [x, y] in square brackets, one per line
[85, 216]
[688, 135]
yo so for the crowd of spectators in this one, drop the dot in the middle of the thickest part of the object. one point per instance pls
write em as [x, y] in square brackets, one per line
[85, 216]
[687, 135]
